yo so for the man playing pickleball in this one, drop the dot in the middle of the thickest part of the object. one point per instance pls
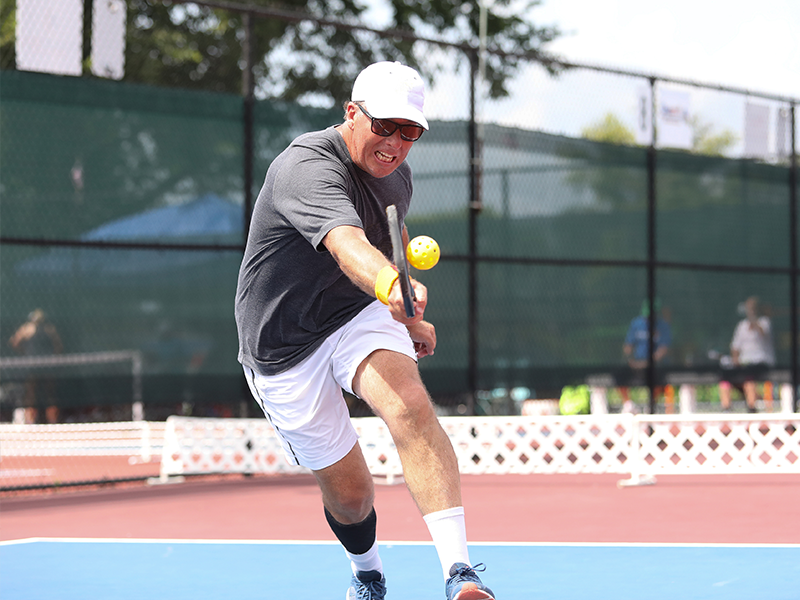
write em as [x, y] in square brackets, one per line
[318, 310]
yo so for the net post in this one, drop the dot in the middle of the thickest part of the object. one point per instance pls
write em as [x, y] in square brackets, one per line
[687, 398]
[146, 441]
[137, 406]
[786, 398]
[637, 478]
[145, 445]
[168, 470]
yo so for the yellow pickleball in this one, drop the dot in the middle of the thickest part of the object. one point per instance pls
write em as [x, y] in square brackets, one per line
[422, 252]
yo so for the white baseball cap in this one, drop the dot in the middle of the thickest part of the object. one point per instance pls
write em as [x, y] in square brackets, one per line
[391, 90]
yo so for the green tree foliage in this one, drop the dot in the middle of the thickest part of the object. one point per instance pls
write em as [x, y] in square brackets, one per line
[610, 130]
[614, 167]
[610, 164]
[197, 47]
[175, 44]
[143, 157]
[706, 141]
[8, 24]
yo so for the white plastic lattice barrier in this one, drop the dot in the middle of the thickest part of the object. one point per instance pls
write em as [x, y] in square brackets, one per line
[378, 448]
[545, 444]
[673, 444]
[197, 445]
[641, 445]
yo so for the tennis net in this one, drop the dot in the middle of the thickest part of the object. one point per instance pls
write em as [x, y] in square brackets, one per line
[35, 456]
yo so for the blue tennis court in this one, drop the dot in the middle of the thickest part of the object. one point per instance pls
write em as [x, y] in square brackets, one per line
[81, 569]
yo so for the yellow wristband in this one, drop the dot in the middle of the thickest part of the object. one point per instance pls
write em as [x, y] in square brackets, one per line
[383, 285]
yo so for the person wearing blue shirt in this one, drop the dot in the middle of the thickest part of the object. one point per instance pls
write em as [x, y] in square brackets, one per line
[635, 346]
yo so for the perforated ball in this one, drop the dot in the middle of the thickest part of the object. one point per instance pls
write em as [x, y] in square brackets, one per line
[422, 252]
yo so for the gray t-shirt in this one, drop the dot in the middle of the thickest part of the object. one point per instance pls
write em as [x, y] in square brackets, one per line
[291, 293]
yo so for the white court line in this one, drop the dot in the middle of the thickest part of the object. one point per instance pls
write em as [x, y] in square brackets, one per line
[390, 543]
[5, 473]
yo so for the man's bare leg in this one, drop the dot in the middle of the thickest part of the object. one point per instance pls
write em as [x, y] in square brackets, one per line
[347, 488]
[390, 383]
[348, 493]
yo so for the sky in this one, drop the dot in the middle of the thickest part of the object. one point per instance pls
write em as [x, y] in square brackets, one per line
[742, 44]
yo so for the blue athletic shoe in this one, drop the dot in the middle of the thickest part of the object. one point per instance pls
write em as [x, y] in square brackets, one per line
[464, 584]
[367, 585]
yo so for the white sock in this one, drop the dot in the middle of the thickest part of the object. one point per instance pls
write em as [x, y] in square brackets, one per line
[369, 561]
[449, 533]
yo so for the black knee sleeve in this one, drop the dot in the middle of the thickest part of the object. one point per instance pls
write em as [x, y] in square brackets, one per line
[357, 538]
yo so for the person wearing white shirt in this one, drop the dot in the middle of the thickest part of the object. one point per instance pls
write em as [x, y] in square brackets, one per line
[751, 346]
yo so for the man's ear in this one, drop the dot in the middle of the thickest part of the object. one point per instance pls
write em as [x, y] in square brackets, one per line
[350, 114]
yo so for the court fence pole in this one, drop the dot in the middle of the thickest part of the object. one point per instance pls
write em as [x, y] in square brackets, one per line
[651, 248]
[474, 210]
[793, 224]
[248, 104]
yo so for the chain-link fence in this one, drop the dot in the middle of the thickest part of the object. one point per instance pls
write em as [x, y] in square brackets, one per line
[128, 174]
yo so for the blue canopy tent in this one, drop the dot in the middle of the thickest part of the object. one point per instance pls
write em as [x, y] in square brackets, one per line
[208, 219]
[173, 305]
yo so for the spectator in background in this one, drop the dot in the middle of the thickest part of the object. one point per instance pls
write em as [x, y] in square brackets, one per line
[751, 349]
[636, 350]
[38, 337]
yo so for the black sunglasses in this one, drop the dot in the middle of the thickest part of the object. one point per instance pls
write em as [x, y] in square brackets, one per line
[386, 127]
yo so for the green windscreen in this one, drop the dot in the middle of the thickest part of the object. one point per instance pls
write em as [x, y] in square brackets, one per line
[122, 219]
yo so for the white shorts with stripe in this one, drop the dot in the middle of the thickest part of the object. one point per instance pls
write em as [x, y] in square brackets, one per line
[305, 404]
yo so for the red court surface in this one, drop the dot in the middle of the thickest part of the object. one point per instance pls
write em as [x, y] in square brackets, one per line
[742, 509]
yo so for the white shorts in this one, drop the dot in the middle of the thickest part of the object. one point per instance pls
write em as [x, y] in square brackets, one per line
[305, 404]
